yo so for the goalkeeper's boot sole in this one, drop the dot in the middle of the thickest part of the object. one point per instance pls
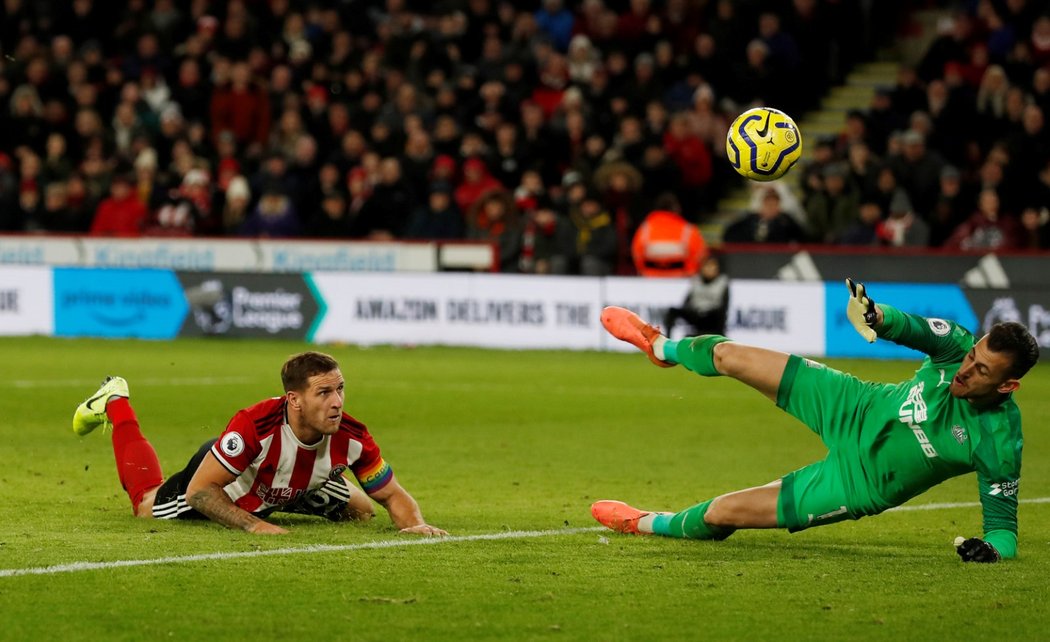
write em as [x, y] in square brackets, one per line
[628, 326]
[92, 412]
[618, 516]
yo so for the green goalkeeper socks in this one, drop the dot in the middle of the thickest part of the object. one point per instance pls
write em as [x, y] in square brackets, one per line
[695, 353]
[689, 524]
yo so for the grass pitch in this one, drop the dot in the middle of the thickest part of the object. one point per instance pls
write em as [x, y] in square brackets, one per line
[487, 442]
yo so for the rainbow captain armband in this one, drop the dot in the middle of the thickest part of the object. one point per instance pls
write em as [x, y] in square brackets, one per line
[375, 476]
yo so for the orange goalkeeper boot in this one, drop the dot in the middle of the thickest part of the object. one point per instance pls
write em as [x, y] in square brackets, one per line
[628, 326]
[618, 516]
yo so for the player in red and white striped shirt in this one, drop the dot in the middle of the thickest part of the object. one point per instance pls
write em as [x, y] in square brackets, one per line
[287, 453]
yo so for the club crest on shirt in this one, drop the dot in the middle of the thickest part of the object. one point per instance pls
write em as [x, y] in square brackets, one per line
[959, 433]
[232, 444]
[939, 327]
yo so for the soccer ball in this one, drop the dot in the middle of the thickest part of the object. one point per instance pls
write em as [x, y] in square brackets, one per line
[763, 144]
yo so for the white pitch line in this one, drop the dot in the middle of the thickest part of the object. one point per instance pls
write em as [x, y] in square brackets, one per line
[76, 567]
[1032, 500]
[143, 381]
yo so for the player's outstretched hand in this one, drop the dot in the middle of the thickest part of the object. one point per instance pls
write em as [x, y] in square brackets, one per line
[426, 530]
[266, 528]
[976, 549]
[860, 310]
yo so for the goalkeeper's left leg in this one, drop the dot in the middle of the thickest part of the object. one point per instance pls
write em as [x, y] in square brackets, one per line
[714, 519]
[711, 355]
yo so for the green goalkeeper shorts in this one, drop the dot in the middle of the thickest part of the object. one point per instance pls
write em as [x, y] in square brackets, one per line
[831, 404]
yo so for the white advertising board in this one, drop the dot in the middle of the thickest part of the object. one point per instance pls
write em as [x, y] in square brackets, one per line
[511, 311]
[769, 314]
[191, 255]
[486, 310]
[778, 315]
[649, 298]
[236, 255]
[39, 250]
[27, 300]
[332, 256]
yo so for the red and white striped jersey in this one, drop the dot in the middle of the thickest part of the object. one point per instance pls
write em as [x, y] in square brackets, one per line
[273, 468]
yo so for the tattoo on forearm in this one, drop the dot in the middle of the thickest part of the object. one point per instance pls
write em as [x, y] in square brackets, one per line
[214, 504]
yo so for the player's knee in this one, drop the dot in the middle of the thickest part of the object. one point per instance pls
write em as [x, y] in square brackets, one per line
[144, 508]
[724, 356]
[721, 512]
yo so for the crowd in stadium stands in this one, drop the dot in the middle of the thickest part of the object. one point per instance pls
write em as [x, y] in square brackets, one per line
[550, 128]
[956, 155]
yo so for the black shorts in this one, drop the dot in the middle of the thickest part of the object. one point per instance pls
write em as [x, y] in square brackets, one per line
[170, 502]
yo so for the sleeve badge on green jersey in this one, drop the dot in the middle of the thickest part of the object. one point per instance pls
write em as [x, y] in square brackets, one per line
[940, 327]
[959, 433]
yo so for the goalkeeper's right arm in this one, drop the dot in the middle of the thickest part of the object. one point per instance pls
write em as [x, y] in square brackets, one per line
[944, 341]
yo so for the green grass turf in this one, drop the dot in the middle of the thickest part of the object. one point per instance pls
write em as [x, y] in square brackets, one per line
[487, 441]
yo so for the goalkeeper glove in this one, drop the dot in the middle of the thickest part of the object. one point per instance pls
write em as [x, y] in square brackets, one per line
[860, 310]
[328, 500]
[976, 549]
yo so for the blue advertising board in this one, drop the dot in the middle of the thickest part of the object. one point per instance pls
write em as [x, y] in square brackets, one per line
[939, 301]
[133, 303]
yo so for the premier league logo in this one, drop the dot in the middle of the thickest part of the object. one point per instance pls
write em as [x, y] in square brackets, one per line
[1003, 309]
[211, 307]
[232, 444]
[939, 327]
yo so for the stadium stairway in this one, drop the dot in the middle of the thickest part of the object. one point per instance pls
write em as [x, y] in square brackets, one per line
[829, 119]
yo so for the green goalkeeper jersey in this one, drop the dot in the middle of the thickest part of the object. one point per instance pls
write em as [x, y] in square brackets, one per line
[915, 434]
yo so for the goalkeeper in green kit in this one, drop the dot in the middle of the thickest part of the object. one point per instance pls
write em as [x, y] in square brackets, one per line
[886, 443]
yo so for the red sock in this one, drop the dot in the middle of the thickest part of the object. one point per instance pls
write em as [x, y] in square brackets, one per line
[137, 464]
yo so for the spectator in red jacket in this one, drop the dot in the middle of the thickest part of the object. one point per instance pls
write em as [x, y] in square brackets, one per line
[693, 158]
[476, 183]
[122, 214]
[243, 109]
[987, 229]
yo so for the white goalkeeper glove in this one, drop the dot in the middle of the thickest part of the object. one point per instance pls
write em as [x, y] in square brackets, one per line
[860, 310]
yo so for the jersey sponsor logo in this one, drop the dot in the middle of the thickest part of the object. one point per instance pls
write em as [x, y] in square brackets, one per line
[232, 444]
[277, 496]
[1006, 489]
[942, 382]
[912, 413]
[940, 327]
[959, 433]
